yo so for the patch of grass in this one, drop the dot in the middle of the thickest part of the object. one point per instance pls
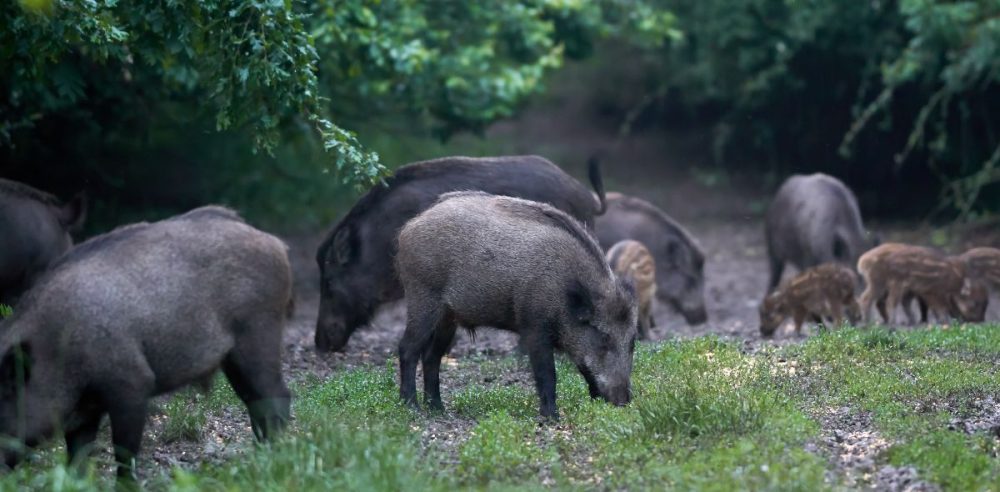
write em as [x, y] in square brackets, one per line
[185, 417]
[5, 311]
[477, 402]
[953, 460]
[501, 448]
[187, 411]
[910, 381]
[705, 416]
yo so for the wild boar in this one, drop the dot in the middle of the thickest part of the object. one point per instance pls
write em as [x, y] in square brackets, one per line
[813, 220]
[355, 259]
[475, 259]
[630, 259]
[141, 311]
[679, 259]
[821, 293]
[895, 273]
[983, 264]
[34, 230]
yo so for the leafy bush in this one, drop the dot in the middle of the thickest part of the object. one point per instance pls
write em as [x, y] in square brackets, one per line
[859, 90]
[119, 95]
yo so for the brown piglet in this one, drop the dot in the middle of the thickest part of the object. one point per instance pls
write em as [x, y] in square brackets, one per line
[824, 292]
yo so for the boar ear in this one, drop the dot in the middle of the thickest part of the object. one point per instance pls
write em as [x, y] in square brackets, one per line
[72, 214]
[342, 245]
[15, 367]
[580, 302]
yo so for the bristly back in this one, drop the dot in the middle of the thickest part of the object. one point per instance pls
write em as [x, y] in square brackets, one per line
[211, 212]
[547, 214]
[24, 191]
[415, 171]
[650, 209]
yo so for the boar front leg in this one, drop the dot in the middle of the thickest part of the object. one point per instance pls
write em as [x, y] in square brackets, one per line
[866, 300]
[80, 439]
[777, 269]
[128, 419]
[543, 367]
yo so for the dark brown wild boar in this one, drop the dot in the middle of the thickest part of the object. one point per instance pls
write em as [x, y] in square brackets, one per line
[680, 262]
[630, 259]
[140, 311]
[34, 231]
[895, 274]
[355, 259]
[475, 259]
[822, 293]
[813, 220]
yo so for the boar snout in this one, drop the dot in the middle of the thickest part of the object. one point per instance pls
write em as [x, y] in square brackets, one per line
[618, 396]
[696, 315]
[331, 330]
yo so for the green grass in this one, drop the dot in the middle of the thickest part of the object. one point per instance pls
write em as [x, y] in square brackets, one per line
[5, 311]
[705, 416]
[910, 382]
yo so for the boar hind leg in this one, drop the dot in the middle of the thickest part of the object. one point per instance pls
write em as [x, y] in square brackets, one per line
[444, 335]
[79, 440]
[253, 369]
[423, 315]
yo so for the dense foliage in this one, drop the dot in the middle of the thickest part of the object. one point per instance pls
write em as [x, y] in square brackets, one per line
[116, 92]
[864, 90]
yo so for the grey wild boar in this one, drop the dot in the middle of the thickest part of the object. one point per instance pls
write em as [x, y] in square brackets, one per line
[813, 220]
[475, 259]
[630, 259]
[679, 259]
[141, 311]
[34, 230]
[895, 274]
[355, 259]
[822, 293]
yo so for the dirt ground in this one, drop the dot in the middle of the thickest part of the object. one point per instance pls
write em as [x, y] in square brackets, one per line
[723, 212]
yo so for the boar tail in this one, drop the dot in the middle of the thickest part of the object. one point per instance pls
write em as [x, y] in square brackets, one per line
[594, 171]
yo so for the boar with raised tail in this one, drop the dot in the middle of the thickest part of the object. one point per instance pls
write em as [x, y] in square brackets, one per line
[823, 293]
[34, 232]
[631, 260]
[813, 220]
[895, 274]
[475, 259]
[355, 259]
[138, 312]
[680, 261]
